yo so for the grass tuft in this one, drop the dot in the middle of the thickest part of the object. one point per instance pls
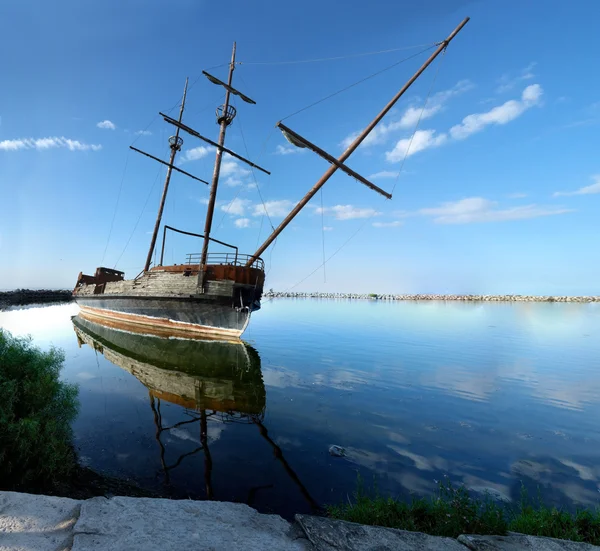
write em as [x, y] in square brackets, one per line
[454, 511]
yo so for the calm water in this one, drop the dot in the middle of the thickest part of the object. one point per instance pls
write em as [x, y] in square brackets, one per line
[492, 395]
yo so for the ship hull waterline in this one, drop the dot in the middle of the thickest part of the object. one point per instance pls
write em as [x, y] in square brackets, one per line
[185, 316]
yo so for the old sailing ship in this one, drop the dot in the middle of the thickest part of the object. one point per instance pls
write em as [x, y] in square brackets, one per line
[212, 294]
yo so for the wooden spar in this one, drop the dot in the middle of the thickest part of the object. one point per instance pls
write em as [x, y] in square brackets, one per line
[170, 166]
[217, 170]
[331, 170]
[175, 146]
[192, 132]
[333, 160]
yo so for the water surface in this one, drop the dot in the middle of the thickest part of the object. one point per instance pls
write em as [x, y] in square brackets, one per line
[491, 395]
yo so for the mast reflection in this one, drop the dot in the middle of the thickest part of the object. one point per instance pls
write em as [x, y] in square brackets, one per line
[208, 378]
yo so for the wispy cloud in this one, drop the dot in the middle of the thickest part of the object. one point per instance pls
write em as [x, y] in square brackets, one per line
[274, 208]
[42, 144]
[471, 124]
[236, 206]
[383, 174]
[506, 82]
[327, 228]
[394, 224]
[143, 133]
[194, 154]
[422, 139]
[233, 173]
[287, 150]
[106, 125]
[517, 195]
[348, 212]
[242, 223]
[478, 209]
[411, 115]
[586, 190]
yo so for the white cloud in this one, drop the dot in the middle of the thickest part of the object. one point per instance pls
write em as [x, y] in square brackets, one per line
[478, 209]
[422, 139]
[194, 154]
[143, 133]
[411, 115]
[288, 150]
[327, 228]
[517, 195]
[203, 201]
[106, 125]
[348, 212]
[586, 190]
[233, 173]
[383, 174]
[242, 223]
[394, 224]
[508, 83]
[501, 114]
[274, 208]
[236, 207]
[47, 143]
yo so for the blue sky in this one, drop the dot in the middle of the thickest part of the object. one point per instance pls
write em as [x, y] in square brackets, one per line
[499, 191]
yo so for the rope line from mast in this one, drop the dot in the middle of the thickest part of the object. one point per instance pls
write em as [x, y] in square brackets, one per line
[358, 82]
[336, 58]
[112, 223]
[439, 64]
[323, 235]
[139, 217]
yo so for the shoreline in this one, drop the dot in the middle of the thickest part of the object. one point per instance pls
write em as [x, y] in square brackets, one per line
[428, 297]
[28, 296]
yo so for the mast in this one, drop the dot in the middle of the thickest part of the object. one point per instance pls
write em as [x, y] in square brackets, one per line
[332, 169]
[226, 115]
[175, 143]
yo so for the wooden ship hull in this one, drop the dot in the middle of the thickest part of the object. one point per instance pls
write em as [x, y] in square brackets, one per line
[175, 298]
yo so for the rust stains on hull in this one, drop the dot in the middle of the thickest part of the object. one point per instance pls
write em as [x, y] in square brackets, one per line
[161, 327]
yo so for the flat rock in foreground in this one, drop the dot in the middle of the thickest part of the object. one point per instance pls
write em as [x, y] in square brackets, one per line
[41, 523]
[520, 542]
[334, 535]
[140, 524]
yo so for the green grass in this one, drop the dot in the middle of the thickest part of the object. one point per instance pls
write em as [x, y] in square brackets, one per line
[36, 410]
[454, 511]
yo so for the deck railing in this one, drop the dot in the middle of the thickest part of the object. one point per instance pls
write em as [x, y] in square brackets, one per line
[230, 259]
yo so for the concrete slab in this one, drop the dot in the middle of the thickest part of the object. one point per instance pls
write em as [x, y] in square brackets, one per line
[36, 523]
[332, 535]
[139, 524]
[520, 542]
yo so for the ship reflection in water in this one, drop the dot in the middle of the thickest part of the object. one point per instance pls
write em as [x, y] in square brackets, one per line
[208, 378]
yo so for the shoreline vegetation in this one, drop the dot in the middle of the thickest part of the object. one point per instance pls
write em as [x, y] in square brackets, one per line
[454, 511]
[29, 296]
[428, 297]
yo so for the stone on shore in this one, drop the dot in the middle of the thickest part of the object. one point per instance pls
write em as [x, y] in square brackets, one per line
[41, 523]
[521, 542]
[140, 524]
[333, 535]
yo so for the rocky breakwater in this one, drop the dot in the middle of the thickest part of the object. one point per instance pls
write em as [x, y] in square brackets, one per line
[463, 298]
[28, 296]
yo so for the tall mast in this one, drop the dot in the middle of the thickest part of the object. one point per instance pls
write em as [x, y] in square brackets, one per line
[331, 170]
[175, 143]
[226, 115]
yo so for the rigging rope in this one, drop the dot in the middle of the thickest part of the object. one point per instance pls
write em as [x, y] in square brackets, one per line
[358, 82]
[439, 64]
[116, 206]
[323, 235]
[336, 57]
[140, 217]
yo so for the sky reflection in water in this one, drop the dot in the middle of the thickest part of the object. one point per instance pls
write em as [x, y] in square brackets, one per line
[491, 394]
